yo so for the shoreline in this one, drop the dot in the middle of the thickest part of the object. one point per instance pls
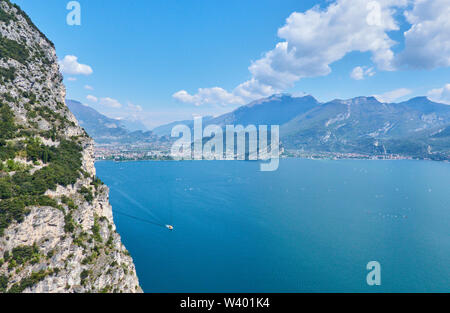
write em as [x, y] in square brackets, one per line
[281, 158]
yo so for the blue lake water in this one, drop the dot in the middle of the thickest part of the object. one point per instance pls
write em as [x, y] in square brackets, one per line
[310, 226]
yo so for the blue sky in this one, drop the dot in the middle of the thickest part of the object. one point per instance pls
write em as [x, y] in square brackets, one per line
[148, 59]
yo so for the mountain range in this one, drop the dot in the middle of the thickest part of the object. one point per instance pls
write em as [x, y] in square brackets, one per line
[418, 128]
[107, 130]
[277, 109]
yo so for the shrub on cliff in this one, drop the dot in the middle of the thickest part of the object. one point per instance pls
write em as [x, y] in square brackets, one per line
[10, 49]
[7, 125]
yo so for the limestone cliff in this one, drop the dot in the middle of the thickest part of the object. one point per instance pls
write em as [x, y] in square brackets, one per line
[57, 232]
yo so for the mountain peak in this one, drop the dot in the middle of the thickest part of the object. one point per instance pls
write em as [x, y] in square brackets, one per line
[357, 100]
[420, 98]
[281, 97]
[422, 101]
[365, 99]
[308, 97]
[274, 97]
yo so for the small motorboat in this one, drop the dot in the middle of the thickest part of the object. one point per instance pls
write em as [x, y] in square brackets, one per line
[169, 227]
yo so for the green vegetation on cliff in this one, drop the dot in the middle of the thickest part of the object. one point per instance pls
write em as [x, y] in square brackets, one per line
[30, 281]
[46, 229]
[7, 75]
[14, 50]
[61, 166]
[6, 17]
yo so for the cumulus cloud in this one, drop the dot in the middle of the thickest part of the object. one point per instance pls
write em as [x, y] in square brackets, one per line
[312, 41]
[110, 102]
[70, 66]
[441, 95]
[393, 95]
[215, 95]
[134, 108]
[359, 73]
[317, 38]
[71, 79]
[92, 98]
[88, 87]
[427, 42]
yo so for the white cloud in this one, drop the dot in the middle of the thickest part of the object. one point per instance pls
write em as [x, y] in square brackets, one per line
[317, 38]
[312, 41]
[441, 95]
[393, 95]
[427, 42]
[110, 102]
[134, 108]
[71, 79]
[70, 66]
[88, 87]
[359, 73]
[184, 96]
[92, 98]
[215, 95]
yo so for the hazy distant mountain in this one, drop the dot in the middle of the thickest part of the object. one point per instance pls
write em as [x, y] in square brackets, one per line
[96, 125]
[104, 129]
[166, 129]
[133, 125]
[274, 110]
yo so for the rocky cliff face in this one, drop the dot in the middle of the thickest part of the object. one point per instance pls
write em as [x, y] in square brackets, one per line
[57, 232]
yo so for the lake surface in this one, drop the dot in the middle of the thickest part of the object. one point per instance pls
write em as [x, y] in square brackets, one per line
[310, 226]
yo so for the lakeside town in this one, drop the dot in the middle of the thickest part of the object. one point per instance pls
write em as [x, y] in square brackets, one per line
[131, 152]
[136, 152]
